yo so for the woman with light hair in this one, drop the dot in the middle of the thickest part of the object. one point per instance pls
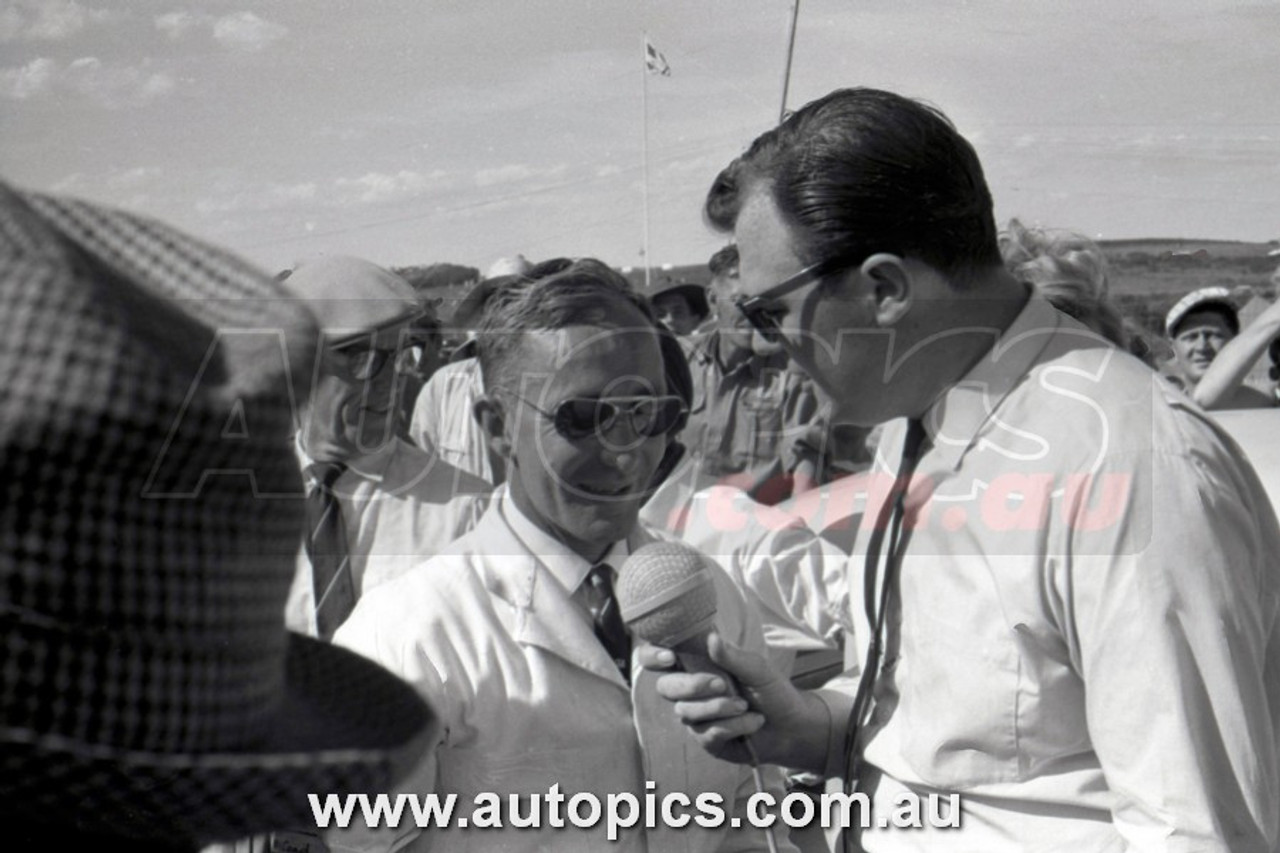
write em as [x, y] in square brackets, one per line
[1069, 271]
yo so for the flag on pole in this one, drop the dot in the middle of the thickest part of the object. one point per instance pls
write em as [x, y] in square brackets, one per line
[655, 62]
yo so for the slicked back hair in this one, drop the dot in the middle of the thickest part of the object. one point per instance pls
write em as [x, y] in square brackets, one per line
[863, 170]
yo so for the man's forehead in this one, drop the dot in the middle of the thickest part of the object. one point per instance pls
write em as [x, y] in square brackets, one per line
[558, 347]
[766, 242]
[1202, 319]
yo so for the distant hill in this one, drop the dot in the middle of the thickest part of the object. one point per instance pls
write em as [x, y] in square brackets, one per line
[1147, 275]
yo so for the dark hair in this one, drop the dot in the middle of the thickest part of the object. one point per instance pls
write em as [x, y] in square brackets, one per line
[724, 260]
[862, 171]
[552, 295]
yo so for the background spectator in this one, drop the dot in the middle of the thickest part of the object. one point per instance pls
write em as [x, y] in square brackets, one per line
[1199, 326]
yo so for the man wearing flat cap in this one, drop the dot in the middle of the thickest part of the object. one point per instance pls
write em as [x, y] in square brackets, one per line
[150, 696]
[376, 503]
[1199, 326]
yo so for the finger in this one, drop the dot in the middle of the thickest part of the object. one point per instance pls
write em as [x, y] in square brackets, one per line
[704, 711]
[749, 669]
[687, 686]
[655, 657]
[726, 734]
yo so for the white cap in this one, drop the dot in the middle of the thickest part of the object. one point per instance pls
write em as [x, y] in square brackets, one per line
[519, 265]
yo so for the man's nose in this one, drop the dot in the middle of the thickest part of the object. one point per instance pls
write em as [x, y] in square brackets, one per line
[625, 461]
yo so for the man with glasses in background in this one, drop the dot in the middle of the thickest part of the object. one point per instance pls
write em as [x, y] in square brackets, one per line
[1064, 590]
[376, 504]
[513, 635]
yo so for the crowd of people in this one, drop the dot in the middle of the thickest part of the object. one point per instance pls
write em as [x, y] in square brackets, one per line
[1059, 599]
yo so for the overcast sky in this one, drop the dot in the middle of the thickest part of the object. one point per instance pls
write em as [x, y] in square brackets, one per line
[416, 131]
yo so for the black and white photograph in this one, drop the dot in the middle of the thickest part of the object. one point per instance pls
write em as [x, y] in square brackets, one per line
[666, 426]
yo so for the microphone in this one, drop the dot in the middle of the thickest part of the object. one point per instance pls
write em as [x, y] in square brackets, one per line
[666, 595]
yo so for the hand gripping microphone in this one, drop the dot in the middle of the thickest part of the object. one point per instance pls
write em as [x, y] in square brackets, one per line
[667, 596]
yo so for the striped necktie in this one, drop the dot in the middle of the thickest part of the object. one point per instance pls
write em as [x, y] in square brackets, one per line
[334, 588]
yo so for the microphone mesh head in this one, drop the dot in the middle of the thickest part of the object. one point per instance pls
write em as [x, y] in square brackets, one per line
[666, 593]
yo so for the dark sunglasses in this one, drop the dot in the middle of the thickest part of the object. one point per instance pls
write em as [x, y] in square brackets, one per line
[762, 310]
[579, 417]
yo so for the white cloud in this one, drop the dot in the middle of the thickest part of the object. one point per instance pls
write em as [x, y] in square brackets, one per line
[515, 173]
[376, 187]
[117, 85]
[134, 177]
[36, 76]
[47, 20]
[260, 198]
[246, 31]
[178, 24]
[236, 31]
[504, 175]
[111, 86]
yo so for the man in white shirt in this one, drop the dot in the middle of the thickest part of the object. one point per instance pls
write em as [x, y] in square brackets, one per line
[1071, 618]
[513, 635]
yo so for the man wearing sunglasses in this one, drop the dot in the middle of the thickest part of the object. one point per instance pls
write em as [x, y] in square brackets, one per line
[513, 635]
[376, 503]
[1068, 613]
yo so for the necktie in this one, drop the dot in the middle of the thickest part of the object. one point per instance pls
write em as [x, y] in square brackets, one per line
[607, 619]
[889, 520]
[326, 543]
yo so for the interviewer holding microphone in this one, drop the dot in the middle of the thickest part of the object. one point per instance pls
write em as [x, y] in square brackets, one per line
[1071, 620]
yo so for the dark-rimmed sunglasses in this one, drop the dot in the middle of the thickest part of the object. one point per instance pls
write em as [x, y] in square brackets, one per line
[762, 310]
[578, 417]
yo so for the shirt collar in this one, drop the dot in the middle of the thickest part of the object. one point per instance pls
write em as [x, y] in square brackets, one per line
[564, 564]
[958, 415]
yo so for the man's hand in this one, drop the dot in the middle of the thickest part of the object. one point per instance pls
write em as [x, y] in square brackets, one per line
[786, 726]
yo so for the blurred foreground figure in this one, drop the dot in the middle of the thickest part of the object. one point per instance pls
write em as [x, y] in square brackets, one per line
[150, 696]
[1065, 589]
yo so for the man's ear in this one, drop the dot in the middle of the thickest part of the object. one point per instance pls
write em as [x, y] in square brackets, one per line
[492, 417]
[892, 286]
[713, 298]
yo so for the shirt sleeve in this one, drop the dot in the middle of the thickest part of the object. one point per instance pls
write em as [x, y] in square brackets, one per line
[1168, 603]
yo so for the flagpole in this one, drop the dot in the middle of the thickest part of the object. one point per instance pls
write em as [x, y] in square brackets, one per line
[644, 146]
[791, 46]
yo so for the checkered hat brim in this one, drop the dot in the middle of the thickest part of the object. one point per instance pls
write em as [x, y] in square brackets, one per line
[151, 515]
[345, 726]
